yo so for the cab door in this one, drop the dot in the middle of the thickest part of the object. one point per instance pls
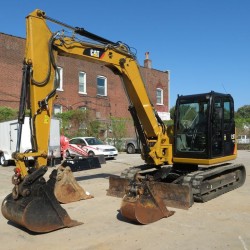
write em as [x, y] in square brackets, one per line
[228, 126]
[222, 127]
[217, 127]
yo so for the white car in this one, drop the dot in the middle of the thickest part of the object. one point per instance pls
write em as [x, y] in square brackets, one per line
[91, 146]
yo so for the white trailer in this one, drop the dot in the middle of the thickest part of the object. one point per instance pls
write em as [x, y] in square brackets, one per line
[8, 140]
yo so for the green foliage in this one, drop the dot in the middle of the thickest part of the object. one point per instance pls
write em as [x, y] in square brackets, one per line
[93, 128]
[118, 128]
[172, 110]
[79, 123]
[169, 122]
[74, 122]
[242, 120]
[7, 114]
[243, 112]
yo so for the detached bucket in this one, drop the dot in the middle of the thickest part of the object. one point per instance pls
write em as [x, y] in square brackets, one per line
[117, 186]
[144, 206]
[66, 187]
[39, 211]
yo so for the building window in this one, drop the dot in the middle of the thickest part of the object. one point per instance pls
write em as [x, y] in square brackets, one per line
[83, 108]
[159, 96]
[57, 108]
[82, 82]
[60, 71]
[101, 85]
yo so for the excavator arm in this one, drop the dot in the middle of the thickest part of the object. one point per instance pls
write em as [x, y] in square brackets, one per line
[40, 82]
[42, 48]
[38, 91]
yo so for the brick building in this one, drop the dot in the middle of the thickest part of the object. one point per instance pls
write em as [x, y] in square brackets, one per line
[83, 84]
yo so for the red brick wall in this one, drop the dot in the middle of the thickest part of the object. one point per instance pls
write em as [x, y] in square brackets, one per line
[115, 104]
[11, 57]
[157, 79]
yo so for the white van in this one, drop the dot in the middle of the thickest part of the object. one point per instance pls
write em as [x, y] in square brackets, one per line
[8, 140]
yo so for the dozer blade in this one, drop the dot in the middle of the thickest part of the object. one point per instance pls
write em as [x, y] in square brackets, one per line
[144, 206]
[38, 210]
[173, 195]
[66, 187]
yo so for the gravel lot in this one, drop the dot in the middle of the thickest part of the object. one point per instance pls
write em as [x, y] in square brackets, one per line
[223, 223]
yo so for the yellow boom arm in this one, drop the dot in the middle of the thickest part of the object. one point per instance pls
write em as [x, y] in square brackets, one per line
[41, 49]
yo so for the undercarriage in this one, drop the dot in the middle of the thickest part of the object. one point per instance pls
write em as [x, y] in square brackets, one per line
[173, 186]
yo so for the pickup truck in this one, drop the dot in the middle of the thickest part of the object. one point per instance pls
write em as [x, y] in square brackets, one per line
[132, 145]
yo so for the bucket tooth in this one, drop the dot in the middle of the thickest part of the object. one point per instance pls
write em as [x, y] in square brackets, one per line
[66, 188]
[38, 211]
[142, 205]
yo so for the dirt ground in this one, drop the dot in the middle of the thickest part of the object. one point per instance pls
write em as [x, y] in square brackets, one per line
[222, 223]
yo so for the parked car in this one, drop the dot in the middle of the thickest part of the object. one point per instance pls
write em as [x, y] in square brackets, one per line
[92, 146]
[132, 146]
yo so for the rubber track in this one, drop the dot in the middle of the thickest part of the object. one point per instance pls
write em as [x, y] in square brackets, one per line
[196, 179]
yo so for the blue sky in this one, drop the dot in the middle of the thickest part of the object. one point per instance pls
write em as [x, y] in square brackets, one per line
[205, 44]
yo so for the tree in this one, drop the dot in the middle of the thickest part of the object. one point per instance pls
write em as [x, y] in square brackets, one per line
[242, 120]
[75, 123]
[243, 112]
[7, 114]
[93, 128]
[172, 110]
[118, 130]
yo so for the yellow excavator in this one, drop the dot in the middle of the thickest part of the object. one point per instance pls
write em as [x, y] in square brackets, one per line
[189, 161]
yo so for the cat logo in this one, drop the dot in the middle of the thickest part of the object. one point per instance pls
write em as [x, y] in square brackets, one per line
[94, 52]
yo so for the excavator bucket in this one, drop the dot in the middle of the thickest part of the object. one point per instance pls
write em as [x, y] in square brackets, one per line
[142, 205]
[66, 187]
[36, 208]
[172, 195]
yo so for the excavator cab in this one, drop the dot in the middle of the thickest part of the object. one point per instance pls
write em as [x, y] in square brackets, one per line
[204, 127]
[203, 146]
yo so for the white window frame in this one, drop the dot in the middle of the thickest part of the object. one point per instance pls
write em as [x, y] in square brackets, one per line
[160, 91]
[60, 69]
[105, 85]
[57, 109]
[83, 83]
[82, 108]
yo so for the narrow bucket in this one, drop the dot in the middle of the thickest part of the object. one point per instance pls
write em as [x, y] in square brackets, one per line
[145, 207]
[117, 186]
[66, 188]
